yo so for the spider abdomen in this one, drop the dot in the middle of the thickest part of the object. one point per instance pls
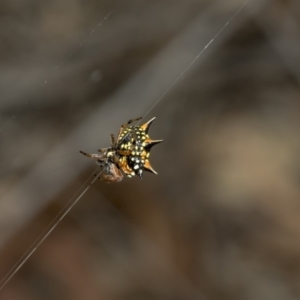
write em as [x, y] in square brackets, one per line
[129, 153]
[134, 149]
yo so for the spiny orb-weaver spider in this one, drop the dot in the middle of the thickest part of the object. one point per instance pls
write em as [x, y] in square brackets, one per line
[129, 153]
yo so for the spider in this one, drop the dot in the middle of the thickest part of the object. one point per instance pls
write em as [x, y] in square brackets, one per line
[129, 153]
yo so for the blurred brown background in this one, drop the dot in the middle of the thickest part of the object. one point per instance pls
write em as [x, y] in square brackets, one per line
[222, 218]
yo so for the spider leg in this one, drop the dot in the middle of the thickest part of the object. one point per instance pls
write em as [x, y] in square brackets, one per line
[93, 156]
[134, 120]
[112, 139]
[131, 121]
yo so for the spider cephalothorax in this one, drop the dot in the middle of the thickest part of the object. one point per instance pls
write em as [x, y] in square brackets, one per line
[129, 153]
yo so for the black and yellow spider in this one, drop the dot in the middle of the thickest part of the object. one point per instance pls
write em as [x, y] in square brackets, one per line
[129, 153]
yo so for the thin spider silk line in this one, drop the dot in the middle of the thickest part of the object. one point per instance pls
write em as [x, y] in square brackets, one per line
[46, 232]
[66, 164]
[58, 65]
[193, 61]
[63, 212]
[85, 41]
[70, 204]
[182, 73]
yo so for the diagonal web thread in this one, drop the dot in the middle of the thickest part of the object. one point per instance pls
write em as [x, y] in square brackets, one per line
[70, 204]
